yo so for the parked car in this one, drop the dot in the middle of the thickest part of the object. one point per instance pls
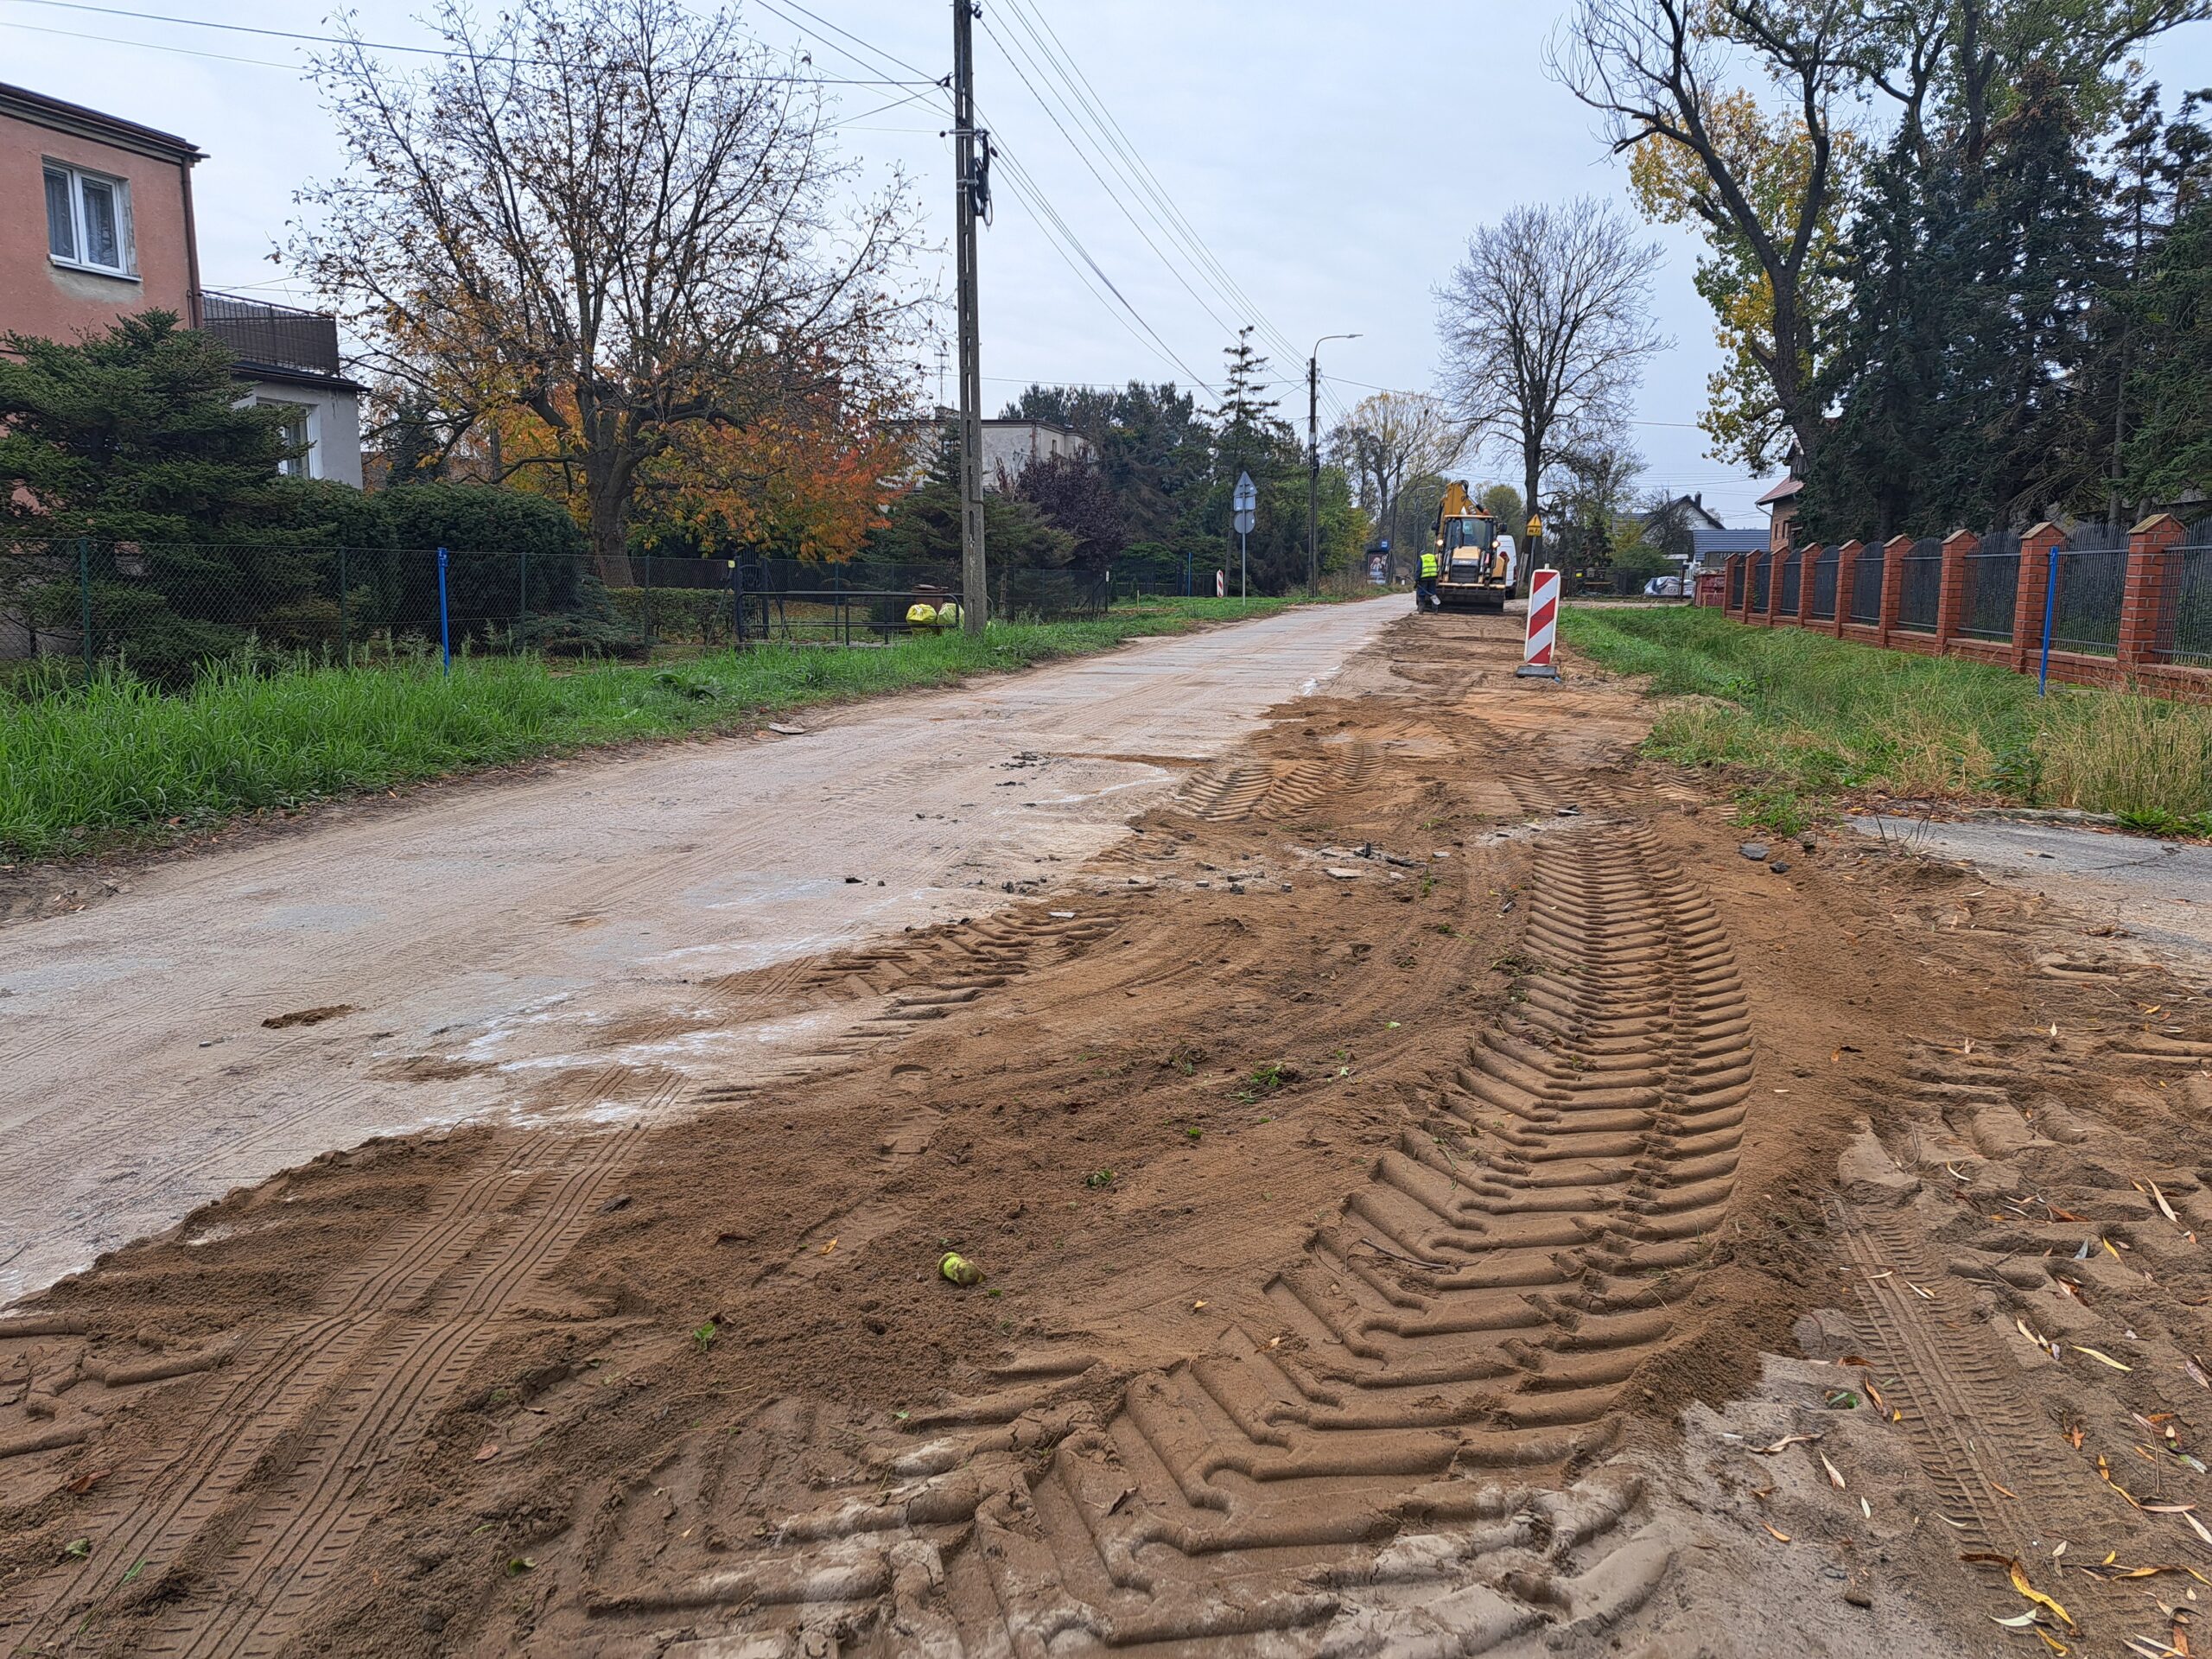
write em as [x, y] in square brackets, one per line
[1664, 587]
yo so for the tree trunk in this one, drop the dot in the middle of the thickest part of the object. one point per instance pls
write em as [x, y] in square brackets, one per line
[607, 489]
[1531, 470]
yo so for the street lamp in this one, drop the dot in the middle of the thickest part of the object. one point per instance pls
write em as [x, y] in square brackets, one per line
[1313, 460]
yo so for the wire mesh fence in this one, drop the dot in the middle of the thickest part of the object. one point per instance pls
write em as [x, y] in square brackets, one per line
[1786, 600]
[1991, 586]
[1735, 585]
[165, 611]
[1866, 586]
[1824, 570]
[1920, 584]
[1761, 564]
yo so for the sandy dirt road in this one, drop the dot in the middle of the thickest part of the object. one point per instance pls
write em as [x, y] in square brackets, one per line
[1436, 1196]
[480, 944]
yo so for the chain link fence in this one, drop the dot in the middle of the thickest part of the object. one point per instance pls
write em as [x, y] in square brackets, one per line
[163, 612]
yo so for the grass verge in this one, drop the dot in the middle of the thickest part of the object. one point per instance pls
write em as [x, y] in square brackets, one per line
[117, 762]
[1808, 718]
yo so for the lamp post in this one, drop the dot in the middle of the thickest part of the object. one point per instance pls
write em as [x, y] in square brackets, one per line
[1313, 460]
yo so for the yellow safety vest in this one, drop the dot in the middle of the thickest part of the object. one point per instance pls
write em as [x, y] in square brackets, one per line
[1429, 564]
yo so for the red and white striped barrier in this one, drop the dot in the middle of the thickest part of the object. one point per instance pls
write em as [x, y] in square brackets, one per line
[1543, 626]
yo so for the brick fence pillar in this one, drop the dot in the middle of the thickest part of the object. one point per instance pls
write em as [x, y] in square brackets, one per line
[1807, 557]
[1775, 556]
[2036, 549]
[1951, 598]
[1893, 552]
[1846, 573]
[2146, 604]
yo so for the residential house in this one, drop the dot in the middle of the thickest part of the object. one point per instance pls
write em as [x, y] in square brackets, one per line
[1008, 447]
[1781, 502]
[119, 239]
[1687, 509]
[1714, 546]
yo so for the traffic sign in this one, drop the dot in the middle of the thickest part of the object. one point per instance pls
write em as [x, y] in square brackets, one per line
[1535, 526]
[1245, 501]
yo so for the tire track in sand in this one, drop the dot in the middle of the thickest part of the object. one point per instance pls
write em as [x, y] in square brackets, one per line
[1403, 1449]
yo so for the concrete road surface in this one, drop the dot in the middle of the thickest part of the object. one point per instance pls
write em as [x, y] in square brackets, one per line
[2159, 892]
[486, 949]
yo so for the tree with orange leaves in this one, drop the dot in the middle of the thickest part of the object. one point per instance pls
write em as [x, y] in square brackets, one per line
[607, 231]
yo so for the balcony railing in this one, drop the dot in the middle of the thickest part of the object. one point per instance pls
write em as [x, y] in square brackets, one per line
[278, 336]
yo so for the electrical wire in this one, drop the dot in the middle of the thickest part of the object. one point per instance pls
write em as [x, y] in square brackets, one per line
[1113, 194]
[1032, 198]
[1078, 98]
[149, 46]
[388, 46]
[1138, 170]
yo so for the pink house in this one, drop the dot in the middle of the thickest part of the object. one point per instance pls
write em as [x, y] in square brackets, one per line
[97, 225]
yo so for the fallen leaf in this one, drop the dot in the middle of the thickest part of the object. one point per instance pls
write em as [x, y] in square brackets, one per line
[1780, 1535]
[1195, 1306]
[2101, 1359]
[1835, 1475]
[1866, 1508]
[1784, 1442]
[1917, 1291]
[831, 1246]
[2164, 1208]
[2197, 1526]
[486, 1453]
[2019, 1576]
[517, 1565]
[85, 1483]
[2196, 1373]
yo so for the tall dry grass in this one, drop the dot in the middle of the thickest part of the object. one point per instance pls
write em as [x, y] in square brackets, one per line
[1815, 716]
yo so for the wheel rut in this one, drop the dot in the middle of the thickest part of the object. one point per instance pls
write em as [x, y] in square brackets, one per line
[224, 1546]
[1407, 1442]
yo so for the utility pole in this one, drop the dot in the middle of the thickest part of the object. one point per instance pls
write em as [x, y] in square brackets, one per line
[1313, 462]
[975, 582]
[1313, 470]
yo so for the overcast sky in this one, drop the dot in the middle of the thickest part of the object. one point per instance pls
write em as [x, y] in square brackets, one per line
[1331, 159]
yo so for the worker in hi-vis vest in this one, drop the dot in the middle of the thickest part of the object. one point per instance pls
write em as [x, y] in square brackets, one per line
[1424, 589]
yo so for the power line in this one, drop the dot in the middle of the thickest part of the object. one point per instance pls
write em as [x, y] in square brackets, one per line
[1088, 112]
[392, 46]
[1139, 171]
[1032, 197]
[777, 7]
[1113, 195]
[149, 46]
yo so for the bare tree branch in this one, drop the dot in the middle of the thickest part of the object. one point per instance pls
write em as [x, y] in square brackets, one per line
[610, 213]
[1547, 326]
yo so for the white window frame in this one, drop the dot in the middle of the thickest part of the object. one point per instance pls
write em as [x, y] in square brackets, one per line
[126, 231]
[310, 417]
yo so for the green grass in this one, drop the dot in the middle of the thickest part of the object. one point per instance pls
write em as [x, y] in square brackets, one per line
[117, 762]
[1808, 718]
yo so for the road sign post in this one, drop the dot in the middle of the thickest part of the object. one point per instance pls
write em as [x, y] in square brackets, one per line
[1543, 626]
[1246, 502]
